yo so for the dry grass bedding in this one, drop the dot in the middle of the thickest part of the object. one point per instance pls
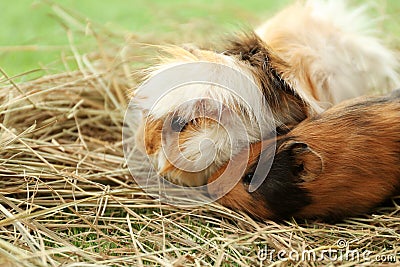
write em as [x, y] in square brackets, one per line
[67, 198]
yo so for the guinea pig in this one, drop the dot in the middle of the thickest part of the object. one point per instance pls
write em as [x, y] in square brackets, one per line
[310, 55]
[340, 163]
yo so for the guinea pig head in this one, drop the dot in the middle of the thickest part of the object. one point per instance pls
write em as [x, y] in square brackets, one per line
[192, 130]
[281, 194]
[185, 150]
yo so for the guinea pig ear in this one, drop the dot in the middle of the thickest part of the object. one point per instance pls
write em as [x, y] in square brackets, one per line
[306, 163]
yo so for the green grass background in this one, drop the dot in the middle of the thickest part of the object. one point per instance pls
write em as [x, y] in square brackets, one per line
[31, 37]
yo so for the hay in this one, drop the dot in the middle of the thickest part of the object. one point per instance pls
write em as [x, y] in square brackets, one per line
[67, 198]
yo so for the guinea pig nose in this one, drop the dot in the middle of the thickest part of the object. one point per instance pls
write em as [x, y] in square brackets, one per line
[178, 124]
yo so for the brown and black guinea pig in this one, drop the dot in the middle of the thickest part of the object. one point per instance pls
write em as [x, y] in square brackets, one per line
[340, 163]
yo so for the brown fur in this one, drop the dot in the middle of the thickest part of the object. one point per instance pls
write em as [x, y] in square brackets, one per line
[153, 143]
[346, 161]
[222, 178]
[152, 135]
[270, 71]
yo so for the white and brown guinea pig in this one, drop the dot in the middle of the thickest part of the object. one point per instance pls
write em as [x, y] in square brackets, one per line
[342, 162]
[311, 54]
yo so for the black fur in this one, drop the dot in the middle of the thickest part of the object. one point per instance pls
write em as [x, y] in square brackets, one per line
[178, 124]
[250, 48]
[265, 65]
[281, 189]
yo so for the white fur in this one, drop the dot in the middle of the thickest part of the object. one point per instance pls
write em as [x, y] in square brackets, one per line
[149, 98]
[229, 135]
[345, 56]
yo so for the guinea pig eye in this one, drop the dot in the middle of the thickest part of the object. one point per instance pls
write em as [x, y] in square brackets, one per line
[247, 178]
[178, 124]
